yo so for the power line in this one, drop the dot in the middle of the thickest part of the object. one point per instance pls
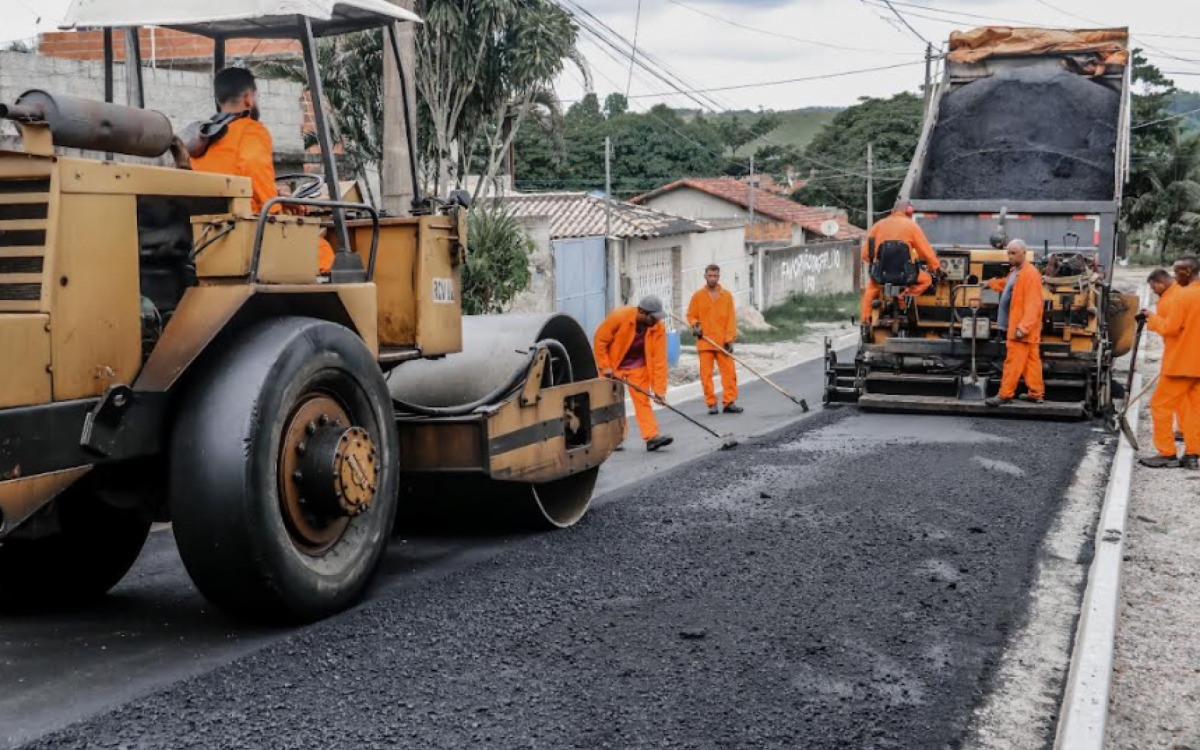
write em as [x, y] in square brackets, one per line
[763, 84]
[907, 25]
[1179, 116]
[637, 26]
[779, 35]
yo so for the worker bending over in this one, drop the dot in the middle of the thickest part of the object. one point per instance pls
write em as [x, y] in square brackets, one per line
[1178, 392]
[244, 147]
[898, 227]
[631, 345]
[714, 323]
[1023, 316]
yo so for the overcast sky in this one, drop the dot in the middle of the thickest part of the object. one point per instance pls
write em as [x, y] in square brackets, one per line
[731, 43]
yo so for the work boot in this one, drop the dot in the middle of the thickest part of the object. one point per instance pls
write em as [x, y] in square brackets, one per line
[659, 441]
[1160, 462]
[733, 408]
[995, 401]
[713, 409]
[1030, 399]
[1190, 461]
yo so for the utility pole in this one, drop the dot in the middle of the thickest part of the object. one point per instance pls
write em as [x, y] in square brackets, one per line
[870, 185]
[395, 175]
[610, 252]
[928, 76]
[751, 199]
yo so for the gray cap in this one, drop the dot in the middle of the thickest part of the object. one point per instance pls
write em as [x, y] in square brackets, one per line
[652, 305]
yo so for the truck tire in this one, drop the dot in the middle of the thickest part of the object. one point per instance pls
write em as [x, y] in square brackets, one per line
[94, 547]
[283, 474]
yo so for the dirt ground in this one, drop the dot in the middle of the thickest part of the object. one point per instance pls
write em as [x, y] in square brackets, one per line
[1155, 698]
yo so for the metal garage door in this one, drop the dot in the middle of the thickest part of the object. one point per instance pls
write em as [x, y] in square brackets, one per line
[654, 273]
[580, 280]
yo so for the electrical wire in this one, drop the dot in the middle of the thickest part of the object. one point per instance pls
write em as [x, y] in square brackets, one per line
[1179, 116]
[907, 25]
[779, 35]
[764, 84]
[637, 26]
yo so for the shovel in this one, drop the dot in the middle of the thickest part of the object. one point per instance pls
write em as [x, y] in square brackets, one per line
[1122, 421]
[794, 399]
[727, 441]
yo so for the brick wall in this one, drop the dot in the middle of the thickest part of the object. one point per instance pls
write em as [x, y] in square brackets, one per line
[182, 96]
[165, 44]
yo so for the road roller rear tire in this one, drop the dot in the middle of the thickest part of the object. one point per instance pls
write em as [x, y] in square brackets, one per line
[94, 548]
[260, 528]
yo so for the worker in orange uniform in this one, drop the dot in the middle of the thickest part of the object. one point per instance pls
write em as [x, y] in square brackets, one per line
[1024, 316]
[244, 147]
[899, 226]
[711, 316]
[631, 345]
[1186, 269]
[1178, 390]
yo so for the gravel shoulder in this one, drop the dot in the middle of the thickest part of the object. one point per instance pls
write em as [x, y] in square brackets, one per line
[1155, 698]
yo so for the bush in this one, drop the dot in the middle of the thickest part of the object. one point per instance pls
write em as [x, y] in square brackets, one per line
[497, 268]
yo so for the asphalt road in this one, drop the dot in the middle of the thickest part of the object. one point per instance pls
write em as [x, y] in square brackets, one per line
[847, 581]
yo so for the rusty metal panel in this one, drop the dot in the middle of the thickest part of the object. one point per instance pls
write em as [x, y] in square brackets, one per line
[289, 248]
[94, 293]
[442, 445]
[116, 178]
[438, 287]
[21, 498]
[25, 366]
[203, 312]
[394, 276]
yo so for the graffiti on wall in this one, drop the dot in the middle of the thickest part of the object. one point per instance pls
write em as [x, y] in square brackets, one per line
[809, 270]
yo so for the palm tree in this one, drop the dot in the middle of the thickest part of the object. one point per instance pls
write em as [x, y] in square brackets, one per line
[1170, 197]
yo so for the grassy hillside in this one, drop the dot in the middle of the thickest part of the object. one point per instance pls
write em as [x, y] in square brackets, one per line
[797, 128]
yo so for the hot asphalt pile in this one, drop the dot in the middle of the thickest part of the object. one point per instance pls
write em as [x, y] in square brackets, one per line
[1024, 134]
[846, 583]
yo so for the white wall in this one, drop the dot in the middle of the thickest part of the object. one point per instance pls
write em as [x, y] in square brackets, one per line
[727, 248]
[539, 296]
[182, 96]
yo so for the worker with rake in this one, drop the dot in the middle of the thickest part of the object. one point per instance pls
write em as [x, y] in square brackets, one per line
[1177, 320]
[714, 323]
[631, 346]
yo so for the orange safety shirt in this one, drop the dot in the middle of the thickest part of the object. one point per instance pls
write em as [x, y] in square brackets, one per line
[615, 336]
[716, 317]
[897, 226]
[245, 150]
[1181, 328]
[1025, 310]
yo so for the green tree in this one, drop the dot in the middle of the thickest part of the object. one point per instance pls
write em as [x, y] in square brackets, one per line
[497, 267]
[839, 154]
[1169, 200]
[649, 149]
[484, 65]
[736, 133]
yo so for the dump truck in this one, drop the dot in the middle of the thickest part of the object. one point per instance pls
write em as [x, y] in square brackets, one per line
[1025, 137]
[169, 355]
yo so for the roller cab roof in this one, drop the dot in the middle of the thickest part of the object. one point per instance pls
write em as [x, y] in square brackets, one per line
[270, 19]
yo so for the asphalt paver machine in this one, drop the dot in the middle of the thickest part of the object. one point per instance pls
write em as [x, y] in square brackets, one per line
[1026, 137]
[168, 355]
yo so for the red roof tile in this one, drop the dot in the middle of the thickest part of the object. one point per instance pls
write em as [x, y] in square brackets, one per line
[766, 203]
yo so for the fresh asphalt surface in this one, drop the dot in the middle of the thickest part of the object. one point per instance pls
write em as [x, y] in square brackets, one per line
[845, 582]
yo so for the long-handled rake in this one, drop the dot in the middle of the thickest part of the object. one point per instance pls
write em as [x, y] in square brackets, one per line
[794, 399]
[727, 441]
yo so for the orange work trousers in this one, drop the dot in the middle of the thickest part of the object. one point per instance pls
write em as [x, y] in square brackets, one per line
[1176, 396]
[1022, 361]
[874, 291]
[724, 363]
[642, 408]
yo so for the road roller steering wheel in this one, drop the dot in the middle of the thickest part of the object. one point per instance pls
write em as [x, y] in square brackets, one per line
[302, 184]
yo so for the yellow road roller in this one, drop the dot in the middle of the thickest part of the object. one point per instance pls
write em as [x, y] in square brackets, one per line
[168, 354]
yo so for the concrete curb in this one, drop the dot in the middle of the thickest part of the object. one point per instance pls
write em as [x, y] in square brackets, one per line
[1084, 713]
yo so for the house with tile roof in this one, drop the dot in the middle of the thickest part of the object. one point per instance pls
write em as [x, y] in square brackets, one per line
[777, 219]
[601, 255]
